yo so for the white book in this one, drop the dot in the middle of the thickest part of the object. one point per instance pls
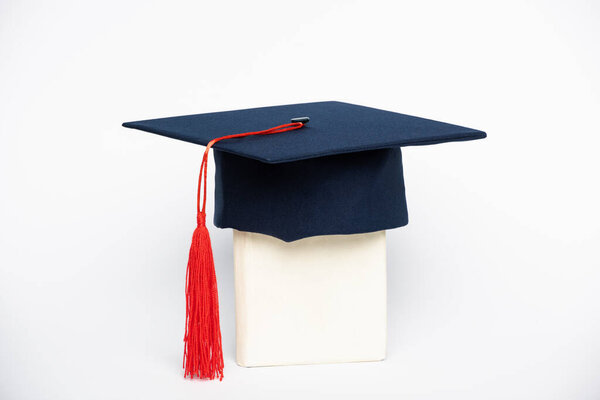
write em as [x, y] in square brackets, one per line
[316, 300]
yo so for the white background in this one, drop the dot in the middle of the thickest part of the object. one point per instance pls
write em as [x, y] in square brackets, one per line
[494, 286]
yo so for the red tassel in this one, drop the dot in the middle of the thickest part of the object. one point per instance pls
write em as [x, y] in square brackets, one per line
[203, 354]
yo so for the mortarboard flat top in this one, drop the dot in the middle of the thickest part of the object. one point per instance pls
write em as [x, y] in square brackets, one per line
[334, 128]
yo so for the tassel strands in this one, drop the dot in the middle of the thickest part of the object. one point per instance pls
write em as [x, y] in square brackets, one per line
[203, 352]
[203, 355]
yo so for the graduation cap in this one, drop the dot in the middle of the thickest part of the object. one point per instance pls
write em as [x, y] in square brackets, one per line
[292, 171]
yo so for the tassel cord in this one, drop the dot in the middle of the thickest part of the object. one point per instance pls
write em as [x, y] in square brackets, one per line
[204, 166]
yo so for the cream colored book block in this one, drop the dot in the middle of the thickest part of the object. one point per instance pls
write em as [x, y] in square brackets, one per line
[316, 300]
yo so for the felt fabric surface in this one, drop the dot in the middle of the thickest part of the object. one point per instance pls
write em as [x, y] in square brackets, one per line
[339, 194]
[334, 128]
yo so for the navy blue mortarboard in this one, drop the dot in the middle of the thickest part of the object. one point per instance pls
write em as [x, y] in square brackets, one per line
[340, 174]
